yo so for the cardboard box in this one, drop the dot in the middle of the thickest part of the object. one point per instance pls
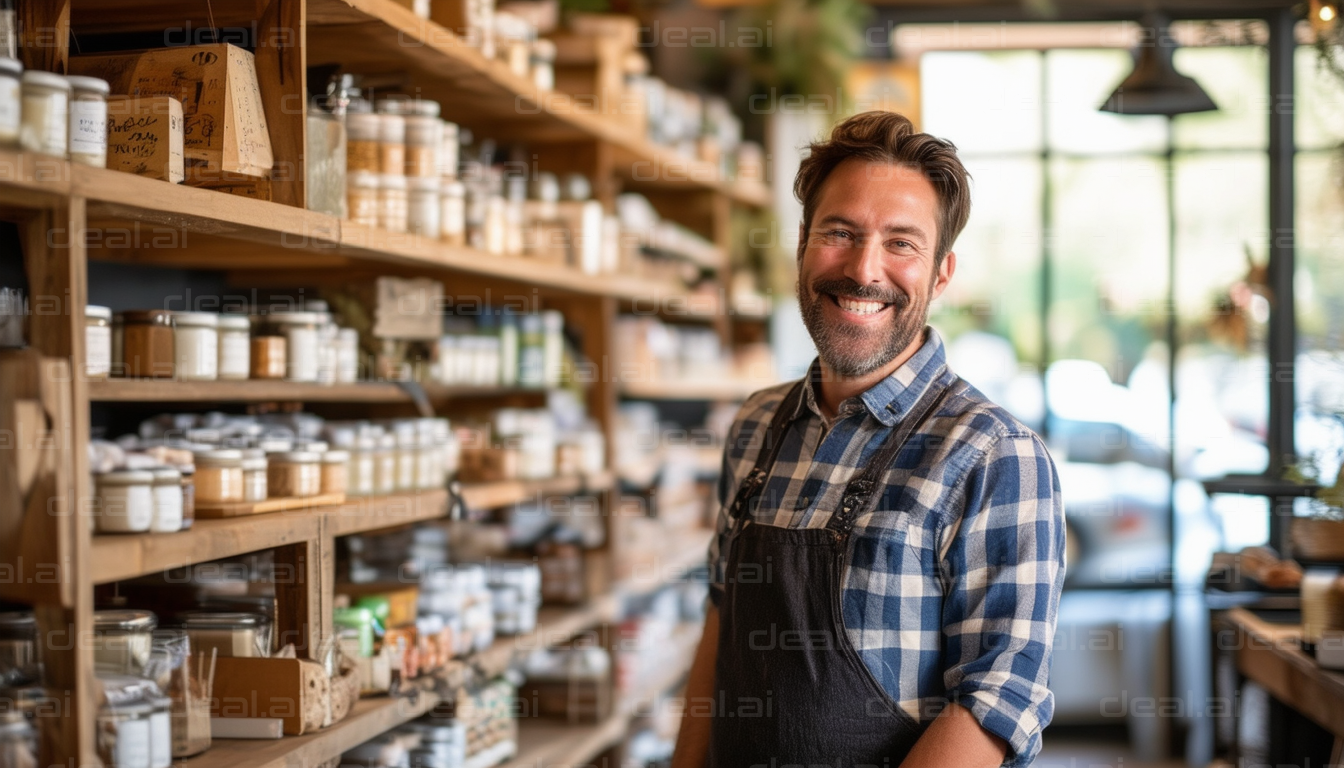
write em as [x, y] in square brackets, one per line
[145, 136]
[488, 465]
[254, 687]
[224, 124]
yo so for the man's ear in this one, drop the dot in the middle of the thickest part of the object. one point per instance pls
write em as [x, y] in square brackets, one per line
[944, 276]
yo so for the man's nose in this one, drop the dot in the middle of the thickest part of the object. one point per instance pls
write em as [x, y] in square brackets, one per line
[864, 265]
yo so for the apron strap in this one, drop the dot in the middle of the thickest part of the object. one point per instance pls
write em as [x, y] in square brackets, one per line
[862, 491]
[765, 460]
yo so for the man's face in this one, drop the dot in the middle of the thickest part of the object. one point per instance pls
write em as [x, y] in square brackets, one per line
[866, 271]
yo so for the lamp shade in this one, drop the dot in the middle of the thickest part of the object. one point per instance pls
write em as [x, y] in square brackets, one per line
[1155, 87]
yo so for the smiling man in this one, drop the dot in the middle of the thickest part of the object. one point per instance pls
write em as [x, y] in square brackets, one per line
[889, 555]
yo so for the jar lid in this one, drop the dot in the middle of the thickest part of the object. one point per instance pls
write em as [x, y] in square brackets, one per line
[336, 457]
[124, 621]
[136, 708]
[295, 318]
[392, 181]
[311, 446]
[423, 183]
[362, 179]
[148, 316]
[187, 470]
[221, 620]
[166, 475]
[253, 453]
[10, 66]
[234, 322]
[46, 80]
[93, 84]
[454, 188]
[18, 625]
[254, 465]
[97, 312]
[298, 457]
[227, 457]
[196, 319]
[408, 106]
[124, 477]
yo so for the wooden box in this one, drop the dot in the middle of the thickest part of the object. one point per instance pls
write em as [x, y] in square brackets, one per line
[225, 129]
[145, 136]
[290, 689]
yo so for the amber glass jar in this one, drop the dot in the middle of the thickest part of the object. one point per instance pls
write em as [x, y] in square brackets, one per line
[147, 344]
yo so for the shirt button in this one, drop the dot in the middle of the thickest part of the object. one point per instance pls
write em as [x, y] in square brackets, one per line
[804, 501]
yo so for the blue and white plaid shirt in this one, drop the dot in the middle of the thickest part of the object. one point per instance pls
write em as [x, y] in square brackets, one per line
[953, 582]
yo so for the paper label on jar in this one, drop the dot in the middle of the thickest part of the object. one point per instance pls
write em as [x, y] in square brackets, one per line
[234, 354]
[45, 122]
[88, 127]
[98, 351]
[160, 740]
[133, 743]
[10, 98]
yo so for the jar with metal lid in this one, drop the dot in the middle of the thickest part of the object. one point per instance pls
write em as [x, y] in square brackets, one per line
[391, 144]
[424, 136]
[385, 465]
[167, 488]
[45, 114]
[18, 741]
[196, 346]
[231, 633]
[294, 474]
[361, 197]
[88, 120]
[422, 213]
[361, 148]
[11, 99]
[543, 54]
[300, 332]
[160, 732]
[235, 348]
[125, 501]
[148, 349]
[255, 487]
[269, 357]
[97, 342]
[453, 212]
[393, 203]
[123, 641]
[335, 471]
[219, 476]
[188, 472]
[20, 653]
[448, 149]
[124, 734]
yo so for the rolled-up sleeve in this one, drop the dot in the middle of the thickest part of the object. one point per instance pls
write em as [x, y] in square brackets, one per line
[1004, 567]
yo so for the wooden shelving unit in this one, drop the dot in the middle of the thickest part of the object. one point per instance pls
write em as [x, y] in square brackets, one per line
[68, 214]
[700, 389]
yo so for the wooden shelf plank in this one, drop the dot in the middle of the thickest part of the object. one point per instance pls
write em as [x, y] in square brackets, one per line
[1270, 655]
[265, 390]
[700, 389]
[360, 514]
[507, 492]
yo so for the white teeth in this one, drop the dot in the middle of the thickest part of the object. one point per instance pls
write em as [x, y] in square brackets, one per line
[859, 307]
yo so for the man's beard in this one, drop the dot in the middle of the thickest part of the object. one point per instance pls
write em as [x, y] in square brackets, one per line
[857, 351]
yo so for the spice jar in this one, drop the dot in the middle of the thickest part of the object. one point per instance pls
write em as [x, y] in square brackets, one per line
[448, 149]
[235, 349]
[335, 471]
[124, 734]
[254, 477]
[219, 476]
[167, 489]
[361, 197]
[148, 343]
[361, 466]
[123, 641]
[407, 449]
[125, 501]
[11, 96]
[188, 473]
[45, 113]
[269, 357]
[391, 144]
[160, 732]
[385, 465]
[422, 217]
[20, 661]
[300, 332]
[424, 136]
[97, 342]
[294, 474]
[88, 120]
[347, 356]
[393, 203]
[453, 213]
[196, 345]
[361, 149]
[231, 633]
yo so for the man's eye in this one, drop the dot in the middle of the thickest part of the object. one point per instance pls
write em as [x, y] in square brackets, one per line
[835, 235]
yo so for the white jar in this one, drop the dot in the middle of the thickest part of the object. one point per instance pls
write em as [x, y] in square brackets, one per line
[11, 100]
[160, 732]
[392, 203]
[196, 345]
[97, 341]
[448, 150]
[46, 113]
[361, 197]
[301, 340]
[363, 460]
[255, 487]
[88, 120]
[422, 213]
[407, 451]
[235, 347]
[347, 356]
[385, 465]
[167, 489]
[127, 728]
[125, 501]
[453, 212]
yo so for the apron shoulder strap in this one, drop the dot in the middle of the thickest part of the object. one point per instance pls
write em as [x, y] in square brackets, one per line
[774, 437]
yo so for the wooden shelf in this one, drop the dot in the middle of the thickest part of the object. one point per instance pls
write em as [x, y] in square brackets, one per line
[265, 390]
[720, 389]
[1270, 655]
[507, 492]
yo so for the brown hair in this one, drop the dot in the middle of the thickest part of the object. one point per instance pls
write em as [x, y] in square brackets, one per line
[886, 137]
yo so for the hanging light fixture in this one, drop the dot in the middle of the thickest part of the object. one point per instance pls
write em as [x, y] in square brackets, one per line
[1155, 87]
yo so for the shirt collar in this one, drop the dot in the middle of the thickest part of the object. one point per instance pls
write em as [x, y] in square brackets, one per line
[890, 399]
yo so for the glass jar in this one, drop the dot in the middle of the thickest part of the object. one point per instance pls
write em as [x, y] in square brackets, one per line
[125, 501]
[97, 342]
[294, 474]
[167, 488]
[300, 332]
[543, 64]
[235, 350]
[160, 732]
[18, 741]
[124, 734]
[361, 148]
[453, 213]
[422, 216]
[347, 356]
[327, 335]
[361, 195]
[188, 472]
[424, 137]
[123, 641]
[448, 149]
[407, 449]
[385, 465]
[148, 349]
[20, 661]
[361, 466]
[254, 477]
[88, 120]
[11, 97]
[231, 633]
[335, 471]
[428, 460]
[45, 113]
[269, 357]
[391, 144]
[325, 168]
[196, 346]
[393, 203]
[219, 476]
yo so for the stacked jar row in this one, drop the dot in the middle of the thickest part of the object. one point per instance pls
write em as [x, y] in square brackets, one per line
[53, 114]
